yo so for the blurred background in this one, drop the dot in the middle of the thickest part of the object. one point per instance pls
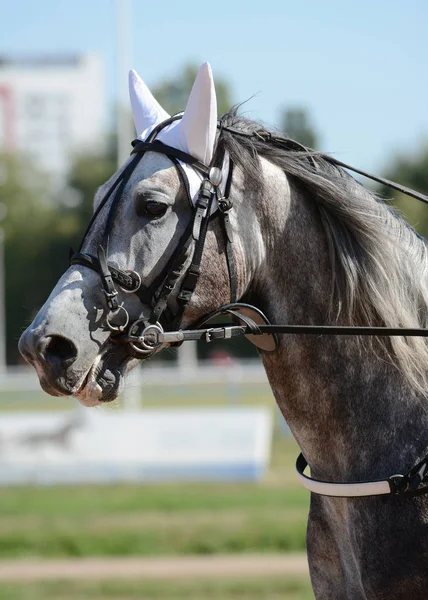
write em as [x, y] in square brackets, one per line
[178, 490]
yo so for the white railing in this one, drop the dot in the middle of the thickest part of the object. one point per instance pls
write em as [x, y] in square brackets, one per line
[153, 379]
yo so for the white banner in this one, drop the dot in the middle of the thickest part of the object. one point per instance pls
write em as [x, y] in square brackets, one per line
[146, 445]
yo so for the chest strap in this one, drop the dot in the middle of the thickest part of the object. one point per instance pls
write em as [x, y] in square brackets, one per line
[398, 484]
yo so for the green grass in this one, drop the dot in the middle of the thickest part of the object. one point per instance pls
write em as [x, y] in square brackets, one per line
[217, 394]
[222, 589]
[157, 519]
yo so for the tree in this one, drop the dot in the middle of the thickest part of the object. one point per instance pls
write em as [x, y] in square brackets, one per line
[172, 94]
[30, 220]
[39, 229]
[297, 125]
[411, 171]
[87, 174]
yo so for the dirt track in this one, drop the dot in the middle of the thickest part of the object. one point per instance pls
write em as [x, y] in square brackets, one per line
[243, 565]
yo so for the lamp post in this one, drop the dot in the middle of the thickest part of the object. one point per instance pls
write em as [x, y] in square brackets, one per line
[125, 132]
[3, 213]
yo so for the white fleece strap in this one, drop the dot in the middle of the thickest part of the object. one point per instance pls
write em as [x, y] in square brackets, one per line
[348, 490]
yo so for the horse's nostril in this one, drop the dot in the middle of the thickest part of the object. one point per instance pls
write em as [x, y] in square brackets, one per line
[56, 346]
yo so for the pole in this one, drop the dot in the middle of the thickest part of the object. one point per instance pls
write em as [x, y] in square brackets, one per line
[2, 307]
[125, 132]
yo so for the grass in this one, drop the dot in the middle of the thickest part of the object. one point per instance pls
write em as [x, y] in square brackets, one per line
[151, 396]
[157, 519]
[222, 589]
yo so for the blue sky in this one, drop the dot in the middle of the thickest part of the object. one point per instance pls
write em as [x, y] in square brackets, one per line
[359, 67]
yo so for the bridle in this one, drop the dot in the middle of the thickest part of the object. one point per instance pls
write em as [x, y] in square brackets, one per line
[142, 334]
[145, 336]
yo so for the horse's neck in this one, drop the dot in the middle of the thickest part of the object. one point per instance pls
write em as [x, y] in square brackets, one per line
[346, 405]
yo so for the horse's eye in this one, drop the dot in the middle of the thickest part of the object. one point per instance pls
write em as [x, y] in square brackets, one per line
[150, 208]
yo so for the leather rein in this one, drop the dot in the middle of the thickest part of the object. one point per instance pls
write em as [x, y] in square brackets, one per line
[145, 336]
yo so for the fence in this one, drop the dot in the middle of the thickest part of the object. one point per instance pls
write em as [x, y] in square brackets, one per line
[216, 423]
[153, 384]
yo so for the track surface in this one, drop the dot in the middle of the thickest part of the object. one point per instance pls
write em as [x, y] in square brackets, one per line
[243, 565]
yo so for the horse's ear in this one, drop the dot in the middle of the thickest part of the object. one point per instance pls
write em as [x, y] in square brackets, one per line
[197, 129]
[146, 110]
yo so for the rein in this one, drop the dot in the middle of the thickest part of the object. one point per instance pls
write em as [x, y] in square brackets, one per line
[145, 336]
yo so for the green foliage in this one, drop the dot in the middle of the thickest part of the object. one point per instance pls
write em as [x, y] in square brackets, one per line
[411, 171]
[88, 172]
[296, 124]
[39, 230]
[24, 192]
[172, 94]
[30, 220]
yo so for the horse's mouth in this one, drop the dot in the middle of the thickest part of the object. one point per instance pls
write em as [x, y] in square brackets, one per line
[103, 382]
[89, 392]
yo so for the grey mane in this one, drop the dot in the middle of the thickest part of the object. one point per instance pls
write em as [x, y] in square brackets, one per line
[379, 264]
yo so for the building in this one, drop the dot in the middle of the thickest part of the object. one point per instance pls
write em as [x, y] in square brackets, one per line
[51, 107]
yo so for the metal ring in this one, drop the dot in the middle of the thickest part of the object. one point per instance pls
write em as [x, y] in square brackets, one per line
[145, 346]
[112, 314]
[137, 276]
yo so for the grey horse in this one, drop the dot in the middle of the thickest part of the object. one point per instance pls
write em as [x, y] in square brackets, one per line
[311, 246]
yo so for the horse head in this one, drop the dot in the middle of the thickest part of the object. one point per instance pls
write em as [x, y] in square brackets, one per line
[153, 230]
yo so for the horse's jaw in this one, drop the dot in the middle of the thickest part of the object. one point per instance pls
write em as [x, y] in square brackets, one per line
[105, 379]
[89, 392]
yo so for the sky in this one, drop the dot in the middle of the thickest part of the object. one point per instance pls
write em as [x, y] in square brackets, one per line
[360, 68]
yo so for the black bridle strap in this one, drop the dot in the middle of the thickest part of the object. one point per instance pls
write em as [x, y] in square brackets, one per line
[203, 209]
[267, 136]
[225, 205]
[344, 330]
[126, 279]
[114, 188]
[161, 148]
[223, 331]
[387, 182]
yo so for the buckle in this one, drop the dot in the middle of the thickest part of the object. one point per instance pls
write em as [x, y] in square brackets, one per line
[398, 484]
[148, 341]
[224, 204]
[111, 294]
[137, 282]
[208, 333]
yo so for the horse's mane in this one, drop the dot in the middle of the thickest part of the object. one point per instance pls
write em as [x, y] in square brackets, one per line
[379, 263]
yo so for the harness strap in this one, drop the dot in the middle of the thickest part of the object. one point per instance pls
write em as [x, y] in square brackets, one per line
[267, 136]
[183, 335]
[109, 290]
[403, 485]
[161, 148]
[340, 489]
[225, 205]
[387, 182]
[114, 187]
[200, 226]
[127, 280]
